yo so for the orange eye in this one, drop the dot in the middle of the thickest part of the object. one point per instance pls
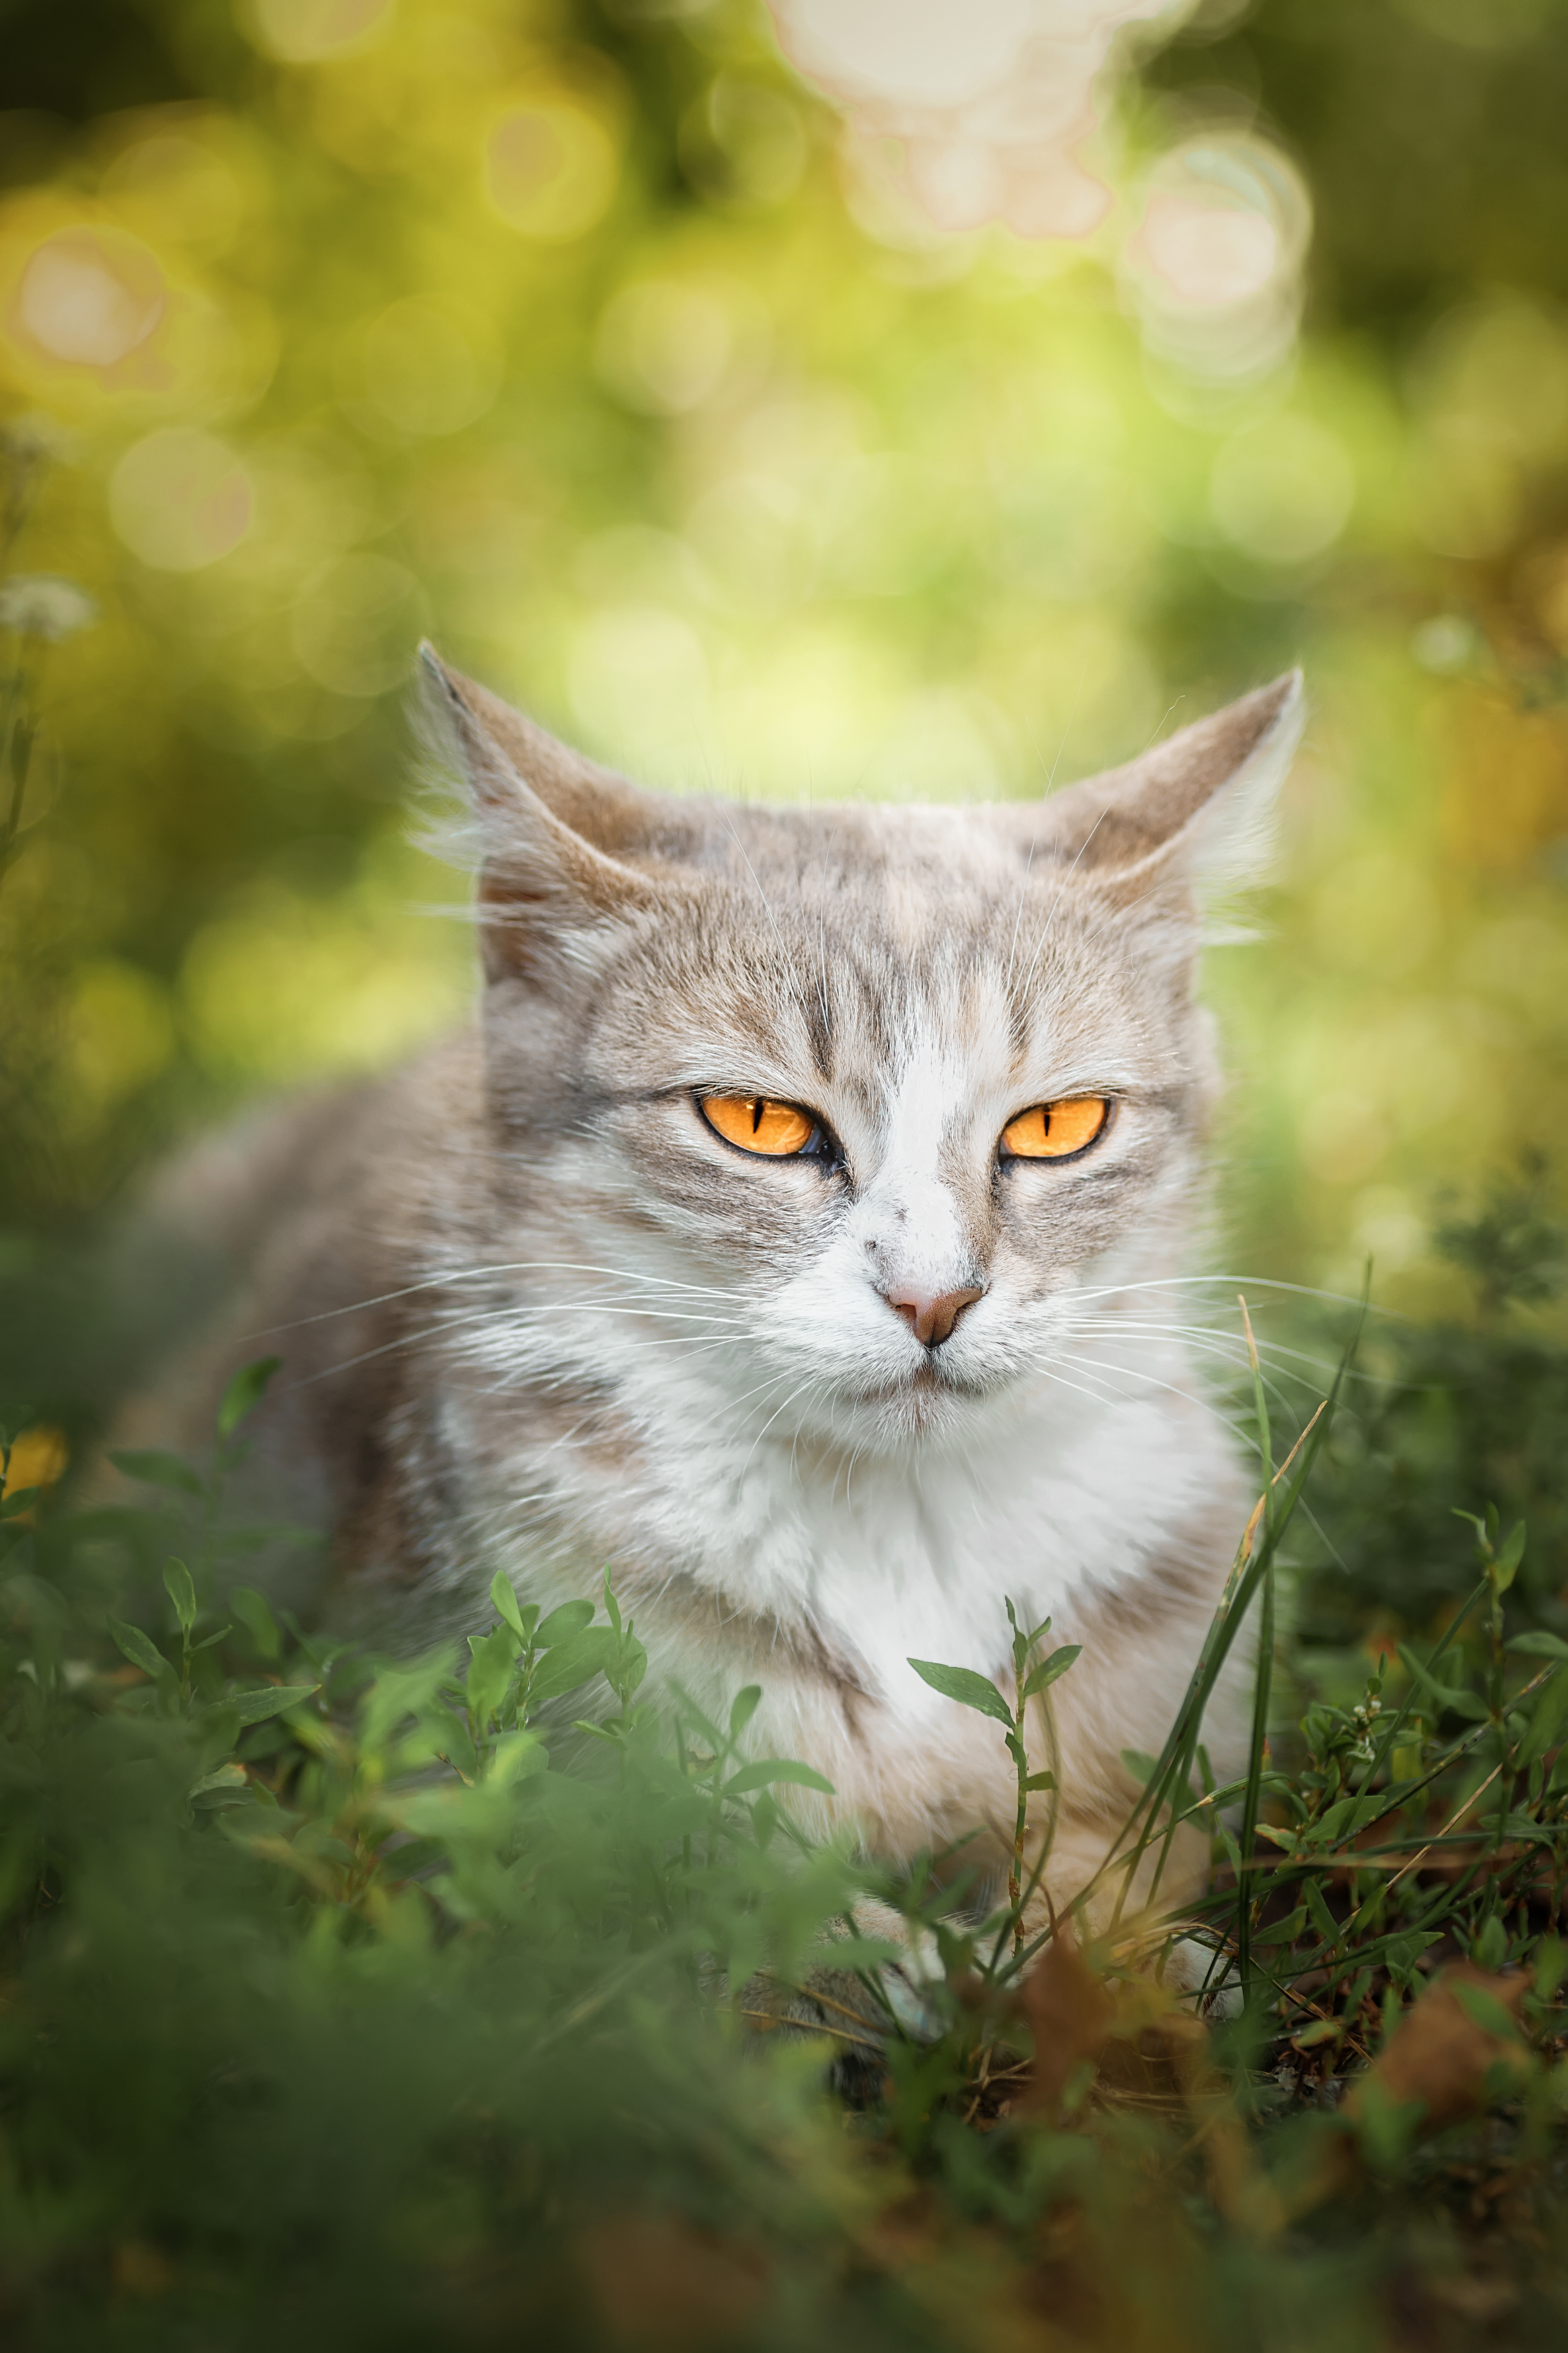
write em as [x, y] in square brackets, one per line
[1051, 1131]
[777, 1129]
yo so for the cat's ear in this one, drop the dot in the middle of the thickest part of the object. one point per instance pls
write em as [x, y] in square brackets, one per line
[1196, 812]
[555, 830]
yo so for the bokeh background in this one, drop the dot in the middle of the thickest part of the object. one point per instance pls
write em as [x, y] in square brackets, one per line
[777, 405]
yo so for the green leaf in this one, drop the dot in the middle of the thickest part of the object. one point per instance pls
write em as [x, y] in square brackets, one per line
[225, 1776]
[245, 1393]
[1323, 1920]
[153, 1468]
[135, 1645]
[1323, 2029]
[19, 1500]
[453, 1741]
[966, 1686]
[1459, 1703]
[1041, 1781]
[1485, 2011]
[562, 1623]
[1402, 1953]
[1142, 1767]
[573, 1661]
[1510, 1555]
[1049, 1669]
[504, 1602]
[1548, 1708]
[742, 1707]
[489, 1671]
[252, 1610]
[256, 1706]
[516, 1756]
[768, 1769]
[1537, 1644]
[1526, 1828]
[1343, 1820]
[180, 1591]
[1283, 1932]
[632, 1665]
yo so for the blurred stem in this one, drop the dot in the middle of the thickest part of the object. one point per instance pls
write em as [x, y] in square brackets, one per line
[18, 729]
[1262, 1687]
[21, 485]
[20, 706]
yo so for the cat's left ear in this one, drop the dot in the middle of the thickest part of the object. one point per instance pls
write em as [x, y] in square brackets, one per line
[560, 837]
[1196, 812]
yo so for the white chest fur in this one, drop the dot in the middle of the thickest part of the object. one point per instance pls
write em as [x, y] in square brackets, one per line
[1066, 1504]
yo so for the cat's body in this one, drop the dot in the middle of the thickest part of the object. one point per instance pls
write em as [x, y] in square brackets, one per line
[818, 1410]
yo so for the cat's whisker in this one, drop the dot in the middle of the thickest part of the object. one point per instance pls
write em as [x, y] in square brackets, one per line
[1050, 1368]
[1233, 1282]
[443, 1328]
[481, 1274]
[1188, 1395]
[1215, 1337]
[1228, 1349]
[1228, 1346]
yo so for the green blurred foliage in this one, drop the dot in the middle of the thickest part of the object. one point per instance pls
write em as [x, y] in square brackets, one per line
[347, 2003]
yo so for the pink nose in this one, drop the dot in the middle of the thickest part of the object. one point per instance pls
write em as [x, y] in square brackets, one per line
[930, 1319]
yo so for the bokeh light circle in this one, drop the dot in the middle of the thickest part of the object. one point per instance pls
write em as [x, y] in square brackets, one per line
[180, 498]
[1282, 490]
[550, 168]
[427, 372]
[356, 624]
[91, 297]
[908, 55]
[302, 32]
[1213, 269]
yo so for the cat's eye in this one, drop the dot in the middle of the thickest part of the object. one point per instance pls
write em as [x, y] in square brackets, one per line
[1053, 1131]
[779, 1130]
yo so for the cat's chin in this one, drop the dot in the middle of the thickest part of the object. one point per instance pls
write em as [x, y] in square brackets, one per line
[925, 1404]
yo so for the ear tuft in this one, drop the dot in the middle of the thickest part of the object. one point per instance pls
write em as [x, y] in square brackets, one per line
[1200, 807]
[549, 823]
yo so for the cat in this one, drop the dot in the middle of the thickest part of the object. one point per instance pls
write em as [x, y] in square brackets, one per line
[789, 1232]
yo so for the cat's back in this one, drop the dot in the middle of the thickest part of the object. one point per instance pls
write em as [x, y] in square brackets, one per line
[301, 1232]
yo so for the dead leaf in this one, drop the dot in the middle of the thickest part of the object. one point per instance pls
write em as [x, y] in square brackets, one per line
[1441, 2052]
[1070, 2013]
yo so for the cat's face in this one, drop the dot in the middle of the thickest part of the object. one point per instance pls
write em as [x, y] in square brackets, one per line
[865, 1114]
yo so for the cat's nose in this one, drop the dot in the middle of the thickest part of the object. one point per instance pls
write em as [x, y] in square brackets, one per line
[930, 1318]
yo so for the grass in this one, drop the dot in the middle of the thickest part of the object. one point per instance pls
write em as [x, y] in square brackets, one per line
[422, 2004]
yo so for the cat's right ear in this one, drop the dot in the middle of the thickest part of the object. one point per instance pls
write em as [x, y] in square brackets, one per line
[549, 824]
[1192, 815]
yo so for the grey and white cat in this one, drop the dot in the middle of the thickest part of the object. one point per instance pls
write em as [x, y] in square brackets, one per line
[788, 1232]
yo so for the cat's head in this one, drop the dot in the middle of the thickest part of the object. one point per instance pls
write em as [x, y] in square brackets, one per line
[857, 1111]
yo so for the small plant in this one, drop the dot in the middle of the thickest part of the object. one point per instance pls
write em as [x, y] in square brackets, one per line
[1031, 1678]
